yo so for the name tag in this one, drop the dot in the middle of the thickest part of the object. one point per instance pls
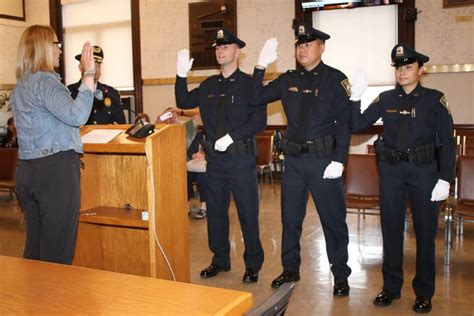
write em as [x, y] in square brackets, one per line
[293, 89]
[391, 111]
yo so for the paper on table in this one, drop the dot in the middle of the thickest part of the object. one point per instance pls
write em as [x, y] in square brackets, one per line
[100, 136]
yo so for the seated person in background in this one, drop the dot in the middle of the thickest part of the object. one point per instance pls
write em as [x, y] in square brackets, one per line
[195, 155]
[142, 116]
[10, 141]
[107, 107]
[196, 166]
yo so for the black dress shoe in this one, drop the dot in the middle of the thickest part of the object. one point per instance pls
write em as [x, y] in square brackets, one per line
[285, 277]
[213, 270]
[250, 276]
[422, 304]
[341, 287]
[385, 298]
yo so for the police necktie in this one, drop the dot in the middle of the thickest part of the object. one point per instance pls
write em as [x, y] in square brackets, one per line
[221, 109]
[305, 106]
[403, 135]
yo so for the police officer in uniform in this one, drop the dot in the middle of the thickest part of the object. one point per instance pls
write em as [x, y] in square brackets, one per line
[316, 103]
[107, 108]
[230, 124]
[416, 161]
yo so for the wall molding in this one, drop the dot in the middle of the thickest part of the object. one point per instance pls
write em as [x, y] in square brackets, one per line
[434, 69]
[195, 79]
[7, 86]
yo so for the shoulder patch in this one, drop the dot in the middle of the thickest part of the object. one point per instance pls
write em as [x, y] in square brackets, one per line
[444, 102]
[377, 99]
[346, 85]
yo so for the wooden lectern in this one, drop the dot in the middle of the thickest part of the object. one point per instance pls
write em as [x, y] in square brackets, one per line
[119, 181]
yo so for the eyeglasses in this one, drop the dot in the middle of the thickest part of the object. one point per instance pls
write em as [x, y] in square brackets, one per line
[58, 44]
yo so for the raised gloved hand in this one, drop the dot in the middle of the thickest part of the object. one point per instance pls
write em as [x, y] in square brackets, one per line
[268, 54]
[358, 84]
[333, 170]
[440, 191]
[223, 142]
[183, 63]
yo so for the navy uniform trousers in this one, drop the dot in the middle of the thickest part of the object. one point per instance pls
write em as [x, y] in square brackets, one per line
[300, 175]
[415, 182]
[234, 174]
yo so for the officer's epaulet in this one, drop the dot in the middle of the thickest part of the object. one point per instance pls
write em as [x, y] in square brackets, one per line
[444, 102]
[347, 86]
[108, 87]
[376, 100]
[245, 75]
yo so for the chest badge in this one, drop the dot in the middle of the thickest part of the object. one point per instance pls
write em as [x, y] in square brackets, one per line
[405, 112]
[107, 102]
[293, 89]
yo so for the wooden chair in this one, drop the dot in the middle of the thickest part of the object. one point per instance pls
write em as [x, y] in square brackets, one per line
[469, 150]
[361, 180]
[463, 209]
[276, 304]
[370, 149]
[8, 162]
[264, 156]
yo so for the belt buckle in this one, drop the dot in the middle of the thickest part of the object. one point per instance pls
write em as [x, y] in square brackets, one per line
[304, 148]
[404, 155]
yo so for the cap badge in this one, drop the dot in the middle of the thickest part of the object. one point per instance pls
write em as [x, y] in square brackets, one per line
[220, 34]
[96, 49]
[400, 51]
[301, 30]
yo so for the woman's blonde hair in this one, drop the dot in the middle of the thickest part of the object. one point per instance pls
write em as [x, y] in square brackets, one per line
[35, 50]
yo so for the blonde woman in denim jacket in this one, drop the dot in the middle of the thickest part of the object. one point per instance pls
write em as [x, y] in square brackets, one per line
[48, 121]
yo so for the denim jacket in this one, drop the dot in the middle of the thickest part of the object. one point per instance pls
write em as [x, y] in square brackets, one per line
[46, 117]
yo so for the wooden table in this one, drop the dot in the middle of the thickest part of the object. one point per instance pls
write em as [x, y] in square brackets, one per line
[35, 287]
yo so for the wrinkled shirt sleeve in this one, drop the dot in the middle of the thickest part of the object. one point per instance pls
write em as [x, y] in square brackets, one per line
[58, 101]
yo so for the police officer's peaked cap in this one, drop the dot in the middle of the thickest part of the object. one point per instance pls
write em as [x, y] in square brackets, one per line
[223, 36]
[97, 52]
[404, 55]
[305, 33]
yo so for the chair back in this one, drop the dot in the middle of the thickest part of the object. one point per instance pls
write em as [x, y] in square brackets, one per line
[8, 162]
[370, 149]
[469, 150]
[469, 140]
[265, 150]
[362, 175]
[465, 174]
[275, 304]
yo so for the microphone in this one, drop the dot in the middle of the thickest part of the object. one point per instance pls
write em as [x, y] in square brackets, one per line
[140, 129]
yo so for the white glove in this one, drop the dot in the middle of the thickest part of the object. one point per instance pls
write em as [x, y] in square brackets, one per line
[223, 142]
[440, 191]
[359, 84]
[268, 54]
[333, 170]
[183, 63]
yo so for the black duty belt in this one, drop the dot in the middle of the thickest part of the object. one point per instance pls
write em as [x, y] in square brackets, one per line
[241, 147]
[419, 155]
[321, 147]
